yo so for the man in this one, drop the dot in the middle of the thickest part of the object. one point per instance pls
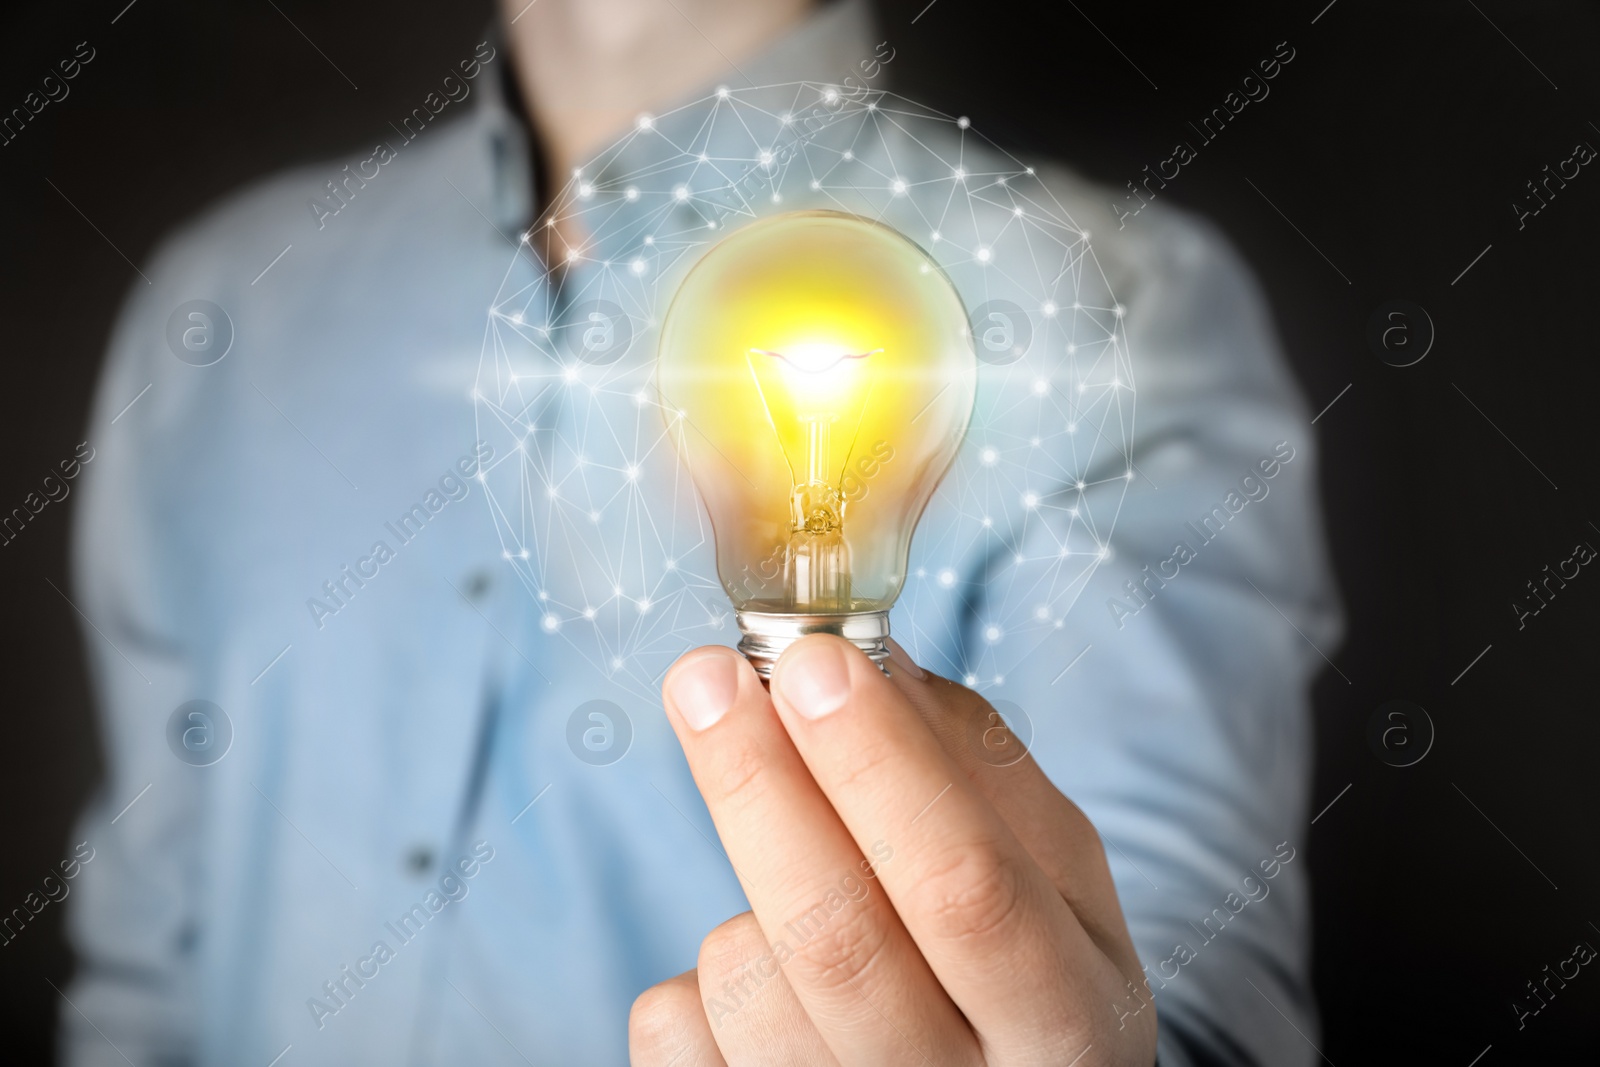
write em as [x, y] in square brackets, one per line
[405, 854]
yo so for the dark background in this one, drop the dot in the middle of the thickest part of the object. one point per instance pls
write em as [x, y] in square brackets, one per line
[1396, 140]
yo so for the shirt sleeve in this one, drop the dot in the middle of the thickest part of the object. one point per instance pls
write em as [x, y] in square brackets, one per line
[131, 919]
[1171, 702]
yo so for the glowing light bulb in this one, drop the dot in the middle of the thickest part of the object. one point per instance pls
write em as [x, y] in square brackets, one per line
[825, 373]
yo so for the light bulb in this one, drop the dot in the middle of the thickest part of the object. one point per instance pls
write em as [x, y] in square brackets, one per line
[817, 374]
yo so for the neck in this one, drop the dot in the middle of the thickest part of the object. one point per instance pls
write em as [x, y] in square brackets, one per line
[589, 68]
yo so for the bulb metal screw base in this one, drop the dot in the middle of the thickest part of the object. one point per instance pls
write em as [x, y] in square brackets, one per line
[767, 634]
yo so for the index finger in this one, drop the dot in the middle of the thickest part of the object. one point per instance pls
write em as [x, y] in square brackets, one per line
[991, 924]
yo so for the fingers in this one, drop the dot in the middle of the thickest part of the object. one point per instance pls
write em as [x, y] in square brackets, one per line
[752, 1012]
[1054, 830]
[979, 907]
[845, 954]
[667, 1026]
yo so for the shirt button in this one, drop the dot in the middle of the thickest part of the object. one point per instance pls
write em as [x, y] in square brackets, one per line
[476, 585]
[419, 860]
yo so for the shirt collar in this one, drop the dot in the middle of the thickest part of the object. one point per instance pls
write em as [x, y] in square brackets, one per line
[830, 47]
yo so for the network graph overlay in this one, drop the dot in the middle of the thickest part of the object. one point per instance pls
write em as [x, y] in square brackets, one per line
[594, 510]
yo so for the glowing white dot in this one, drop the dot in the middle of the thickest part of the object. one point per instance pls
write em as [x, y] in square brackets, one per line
[922, 572]
[1018, 559]
[1073, 512]
[786, 118]
[947, 578]
[681, 192]
[550, 491]
[971, 680]
[898, 185]
[815, 185]
[1042, 611]
[644, 605]
[1128, 475]
[766, 158]
[1035, 442]
[637, 266]
[1119, 311]
[776, 199]
[1105, 553]
[963, 122]
[632, 472]
[1017, 211]
[849, 155]
[672, 564]
[1030, 170]
[1081, 485]
[588, 613]
[631, 193]
[1071, 348]
[936, 235]
[649, 240]
[830, 96]
[594, 516]
[523, 554]
[872, 105]
[987, 521]
[1049, 307]
[505, 554]
[1041, 386]
[704, 158]
[516, 317]
[960, 175]
[722, 91]
[983, 255]
[1000, 181]
[572, 254]
[988, 455]
[992, 634]
[1030, 500]
[645, 122]
[551, 623]
[616, 663]
[585, 190]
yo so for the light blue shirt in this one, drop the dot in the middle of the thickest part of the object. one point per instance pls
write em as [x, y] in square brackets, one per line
[419, 846]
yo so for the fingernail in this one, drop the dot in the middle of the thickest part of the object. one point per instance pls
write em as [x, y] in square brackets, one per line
[814, 679]
[703, 689]
[903, 661]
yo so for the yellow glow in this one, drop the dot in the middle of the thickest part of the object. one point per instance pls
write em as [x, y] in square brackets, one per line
[825, 374]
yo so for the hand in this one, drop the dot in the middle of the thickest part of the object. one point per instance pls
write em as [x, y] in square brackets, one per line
[911, 903]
